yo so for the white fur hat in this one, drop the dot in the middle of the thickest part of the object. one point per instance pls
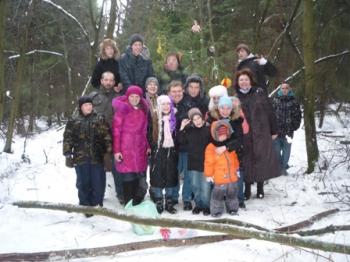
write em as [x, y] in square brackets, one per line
[217, 91]
[163, 99]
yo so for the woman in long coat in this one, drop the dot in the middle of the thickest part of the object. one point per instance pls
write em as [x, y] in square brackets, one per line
[130, 144]
[260, 160]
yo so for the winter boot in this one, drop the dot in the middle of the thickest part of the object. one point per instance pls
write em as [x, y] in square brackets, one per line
[169, 206]
[159, 205]
[247, 191]
[260, 190]
[128, 191]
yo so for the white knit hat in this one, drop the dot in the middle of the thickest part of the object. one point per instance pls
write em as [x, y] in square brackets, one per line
[216, 91]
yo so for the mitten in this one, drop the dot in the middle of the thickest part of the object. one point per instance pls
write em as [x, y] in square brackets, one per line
[108, 162]
[69, 161]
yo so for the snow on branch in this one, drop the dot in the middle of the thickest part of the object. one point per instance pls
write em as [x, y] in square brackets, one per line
[60, 8]
[36, 51]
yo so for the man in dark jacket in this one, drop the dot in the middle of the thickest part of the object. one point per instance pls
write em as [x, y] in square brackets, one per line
[102, 102]
[288, 115]
[86, 140]
[260, 67]
[134, 68]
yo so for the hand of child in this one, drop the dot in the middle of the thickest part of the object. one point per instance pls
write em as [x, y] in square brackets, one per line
[118, 157]
[220, 150]
[210, 179]
[274, 137]
[184, 123]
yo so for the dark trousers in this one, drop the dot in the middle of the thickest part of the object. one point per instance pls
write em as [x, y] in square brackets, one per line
[134, 187]
[91, 182]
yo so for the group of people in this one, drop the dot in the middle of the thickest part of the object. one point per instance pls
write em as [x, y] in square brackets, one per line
[218, 145]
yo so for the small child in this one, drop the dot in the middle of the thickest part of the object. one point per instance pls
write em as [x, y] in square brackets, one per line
[163, 168]
[195, 134]
[86, 140]
[221, 169]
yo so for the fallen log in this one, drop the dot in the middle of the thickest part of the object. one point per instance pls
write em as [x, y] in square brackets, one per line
[60, 255]
[207, 226]
[308, 222]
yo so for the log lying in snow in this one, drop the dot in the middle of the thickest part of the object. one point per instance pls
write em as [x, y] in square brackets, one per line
[60, 255]
[235, 231]
[308, 222]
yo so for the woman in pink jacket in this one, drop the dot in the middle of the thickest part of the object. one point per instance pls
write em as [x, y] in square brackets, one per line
[130, 145]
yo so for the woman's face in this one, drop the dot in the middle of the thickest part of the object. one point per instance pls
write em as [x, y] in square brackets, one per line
[109, 51]
[225, 111]
[171, 63]
[244, 82]
[152, 88]
[165, 108]
[134, 99]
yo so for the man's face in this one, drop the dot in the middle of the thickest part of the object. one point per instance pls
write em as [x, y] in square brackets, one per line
[176, 93]
[193, 89]
[285, 89]
[107, 80]
[136, 48]
[171, 63]
[242, 54]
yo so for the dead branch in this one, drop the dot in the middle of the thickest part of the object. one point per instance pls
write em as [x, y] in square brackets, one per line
[111, 250]
[213, 227]
[227, 221]
[307, 222]
[325, 230]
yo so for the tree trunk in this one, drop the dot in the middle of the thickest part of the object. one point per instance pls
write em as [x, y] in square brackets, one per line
[309, 91]
[237, 232]
[112, 19]
[2, 60]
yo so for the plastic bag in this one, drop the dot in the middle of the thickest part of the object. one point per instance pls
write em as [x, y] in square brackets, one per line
[146, 209]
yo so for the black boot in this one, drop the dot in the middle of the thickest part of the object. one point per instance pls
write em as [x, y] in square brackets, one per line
[169, 206]
[128, 191]
[260, 190]
[159, 205]
[247, 191]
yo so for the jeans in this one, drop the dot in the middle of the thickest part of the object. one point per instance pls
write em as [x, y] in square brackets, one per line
[158, 192]
[118, 181]
[201, 189]
[241, 186]
[91, 180]
[187, 184]
[283, 149]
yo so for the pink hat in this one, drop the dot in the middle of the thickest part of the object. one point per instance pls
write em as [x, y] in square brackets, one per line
[134, 90]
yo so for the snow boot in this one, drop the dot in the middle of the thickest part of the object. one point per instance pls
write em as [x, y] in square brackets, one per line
[159, 205]
[169, 206]
[247, 191]
[260, 190]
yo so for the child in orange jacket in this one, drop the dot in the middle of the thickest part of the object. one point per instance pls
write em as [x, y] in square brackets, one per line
[222, 169]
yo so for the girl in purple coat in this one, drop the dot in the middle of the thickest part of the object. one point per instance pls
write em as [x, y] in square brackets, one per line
[130, 145]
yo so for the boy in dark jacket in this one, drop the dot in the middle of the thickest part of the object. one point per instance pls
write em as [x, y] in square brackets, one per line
[196, 135]
[86, 140]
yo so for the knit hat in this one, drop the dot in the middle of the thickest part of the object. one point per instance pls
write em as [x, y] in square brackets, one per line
[242, 46]
[134, 90]
[225, 101]
[83, 100]
[194, 111]
[152, 79]
[136, 38]
[163, 99]
[219, 128]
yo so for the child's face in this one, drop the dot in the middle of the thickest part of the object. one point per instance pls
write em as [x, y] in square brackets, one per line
[86, 108]
[152, 88]
[165, 107]
[222, 137]
[225, 111]
[134, 99]
[194, 89]
[197, 121]
[109, 51]
[216, 99]
[171, 63]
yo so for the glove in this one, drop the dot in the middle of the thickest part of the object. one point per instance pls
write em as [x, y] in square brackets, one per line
[210, 179]
[108, 162]
[69, 161]
[262, 61]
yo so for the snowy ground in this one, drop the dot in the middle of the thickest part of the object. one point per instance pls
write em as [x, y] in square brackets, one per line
[288, 200]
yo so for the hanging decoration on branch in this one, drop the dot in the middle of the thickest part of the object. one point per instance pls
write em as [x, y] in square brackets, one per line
[226, 82]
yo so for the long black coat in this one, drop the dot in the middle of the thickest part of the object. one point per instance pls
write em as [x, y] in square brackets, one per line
[260, 159]
[196, 140]
[104, 65]
[259, 71]
[134, 70]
